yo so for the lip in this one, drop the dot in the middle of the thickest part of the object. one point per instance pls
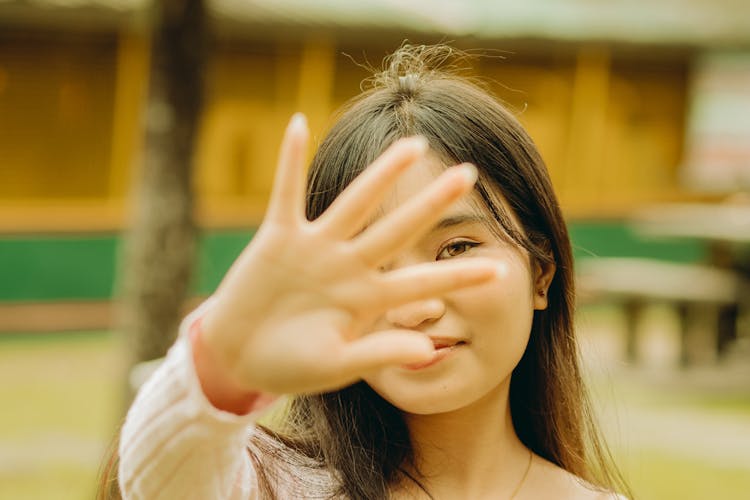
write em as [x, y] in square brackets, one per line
[442, 342]
[443, 348]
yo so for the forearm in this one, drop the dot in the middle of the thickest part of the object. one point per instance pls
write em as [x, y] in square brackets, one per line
[176, 444]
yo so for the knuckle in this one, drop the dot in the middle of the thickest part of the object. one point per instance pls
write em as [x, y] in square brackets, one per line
[360, 253]
[380, 294]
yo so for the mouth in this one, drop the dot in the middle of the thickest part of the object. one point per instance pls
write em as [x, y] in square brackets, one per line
[443, 348]
[444, 342]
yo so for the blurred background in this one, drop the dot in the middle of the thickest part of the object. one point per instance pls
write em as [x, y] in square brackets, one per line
[640, 109]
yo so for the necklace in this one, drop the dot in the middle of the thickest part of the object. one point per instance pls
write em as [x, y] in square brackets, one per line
[515, 492]
[523, 479]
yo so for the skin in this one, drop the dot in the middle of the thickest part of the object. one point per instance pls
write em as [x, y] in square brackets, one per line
[453, 407]
[290, 316]
[493, 319]
[366, 289]
[457, 410]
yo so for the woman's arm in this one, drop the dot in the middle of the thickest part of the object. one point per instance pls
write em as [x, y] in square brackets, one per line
[175, 443]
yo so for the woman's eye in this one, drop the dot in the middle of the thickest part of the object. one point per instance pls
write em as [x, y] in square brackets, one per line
[456, 248]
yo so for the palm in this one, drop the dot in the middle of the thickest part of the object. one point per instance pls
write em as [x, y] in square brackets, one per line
[291, 314]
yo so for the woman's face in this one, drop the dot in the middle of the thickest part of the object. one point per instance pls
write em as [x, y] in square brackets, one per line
[481, 332]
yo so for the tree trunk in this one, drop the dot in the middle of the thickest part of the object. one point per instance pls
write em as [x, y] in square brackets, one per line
[161, 245]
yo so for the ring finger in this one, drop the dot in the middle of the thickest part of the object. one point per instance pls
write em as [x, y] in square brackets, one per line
[403, 227]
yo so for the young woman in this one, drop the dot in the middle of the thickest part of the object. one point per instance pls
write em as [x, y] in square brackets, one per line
[418, 314]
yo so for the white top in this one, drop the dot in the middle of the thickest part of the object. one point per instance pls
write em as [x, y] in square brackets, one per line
[176, 444]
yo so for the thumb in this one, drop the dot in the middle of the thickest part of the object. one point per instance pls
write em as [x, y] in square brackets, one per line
[386, 348]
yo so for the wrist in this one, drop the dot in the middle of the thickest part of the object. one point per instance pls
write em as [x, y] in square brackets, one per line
[217, 384]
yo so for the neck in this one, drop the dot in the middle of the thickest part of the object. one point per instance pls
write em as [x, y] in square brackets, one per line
[472, 452]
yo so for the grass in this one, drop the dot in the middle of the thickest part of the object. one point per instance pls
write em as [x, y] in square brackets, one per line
[61, 396]
[654, 475]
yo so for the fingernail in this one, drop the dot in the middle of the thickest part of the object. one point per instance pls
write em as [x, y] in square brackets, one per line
[298, 121]
[501, 270]
[469, 171]
[421, 143]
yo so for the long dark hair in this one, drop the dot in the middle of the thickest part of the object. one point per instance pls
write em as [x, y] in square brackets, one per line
[355, 432]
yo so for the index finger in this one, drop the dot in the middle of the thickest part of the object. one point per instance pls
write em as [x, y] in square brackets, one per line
[432, 279]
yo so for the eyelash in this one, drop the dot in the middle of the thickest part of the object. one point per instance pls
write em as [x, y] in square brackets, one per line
[460, 243]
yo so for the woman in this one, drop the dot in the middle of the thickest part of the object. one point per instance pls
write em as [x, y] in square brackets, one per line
[420, 316]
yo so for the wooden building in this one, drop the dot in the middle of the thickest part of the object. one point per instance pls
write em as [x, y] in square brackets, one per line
[604, 92]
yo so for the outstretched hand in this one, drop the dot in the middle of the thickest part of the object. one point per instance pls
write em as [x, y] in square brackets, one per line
[291, 315]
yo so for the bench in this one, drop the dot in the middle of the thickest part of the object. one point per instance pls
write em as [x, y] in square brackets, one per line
[706, 299]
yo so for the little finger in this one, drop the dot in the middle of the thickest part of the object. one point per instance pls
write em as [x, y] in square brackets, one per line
[287, 202]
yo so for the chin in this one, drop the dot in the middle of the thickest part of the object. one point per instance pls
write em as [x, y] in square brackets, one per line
[428, 397]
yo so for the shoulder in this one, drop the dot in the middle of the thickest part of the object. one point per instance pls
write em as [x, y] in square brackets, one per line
[552, 481]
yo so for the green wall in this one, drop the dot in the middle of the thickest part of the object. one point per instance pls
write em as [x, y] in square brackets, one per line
[70, 267]
[83, 267]
[616, 239]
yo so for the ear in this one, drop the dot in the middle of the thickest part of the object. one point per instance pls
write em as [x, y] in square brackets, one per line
[543, 274]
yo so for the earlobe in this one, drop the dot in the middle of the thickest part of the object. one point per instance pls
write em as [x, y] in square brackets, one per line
[540, 300]
[544, 272]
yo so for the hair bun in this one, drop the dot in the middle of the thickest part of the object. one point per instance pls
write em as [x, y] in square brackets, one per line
[414, 65]
[407, 84]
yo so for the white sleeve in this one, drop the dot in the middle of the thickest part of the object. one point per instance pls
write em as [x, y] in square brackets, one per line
[176, 444]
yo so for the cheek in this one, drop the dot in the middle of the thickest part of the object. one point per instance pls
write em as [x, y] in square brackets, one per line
[497, 318]
[510, 291]
[498, 314]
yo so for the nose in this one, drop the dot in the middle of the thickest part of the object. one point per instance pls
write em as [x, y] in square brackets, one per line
[414, 314]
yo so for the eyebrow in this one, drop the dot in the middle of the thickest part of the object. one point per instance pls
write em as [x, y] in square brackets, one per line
[457, 220]
[447, 222]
